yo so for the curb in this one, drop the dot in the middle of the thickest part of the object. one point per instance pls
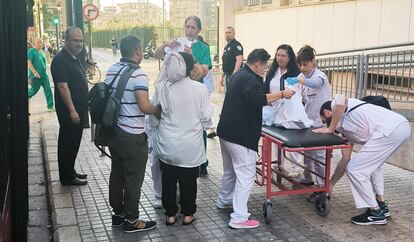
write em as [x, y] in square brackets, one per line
[64, 222]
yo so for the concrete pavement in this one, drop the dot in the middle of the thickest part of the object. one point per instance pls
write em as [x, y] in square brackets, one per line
[83, 213]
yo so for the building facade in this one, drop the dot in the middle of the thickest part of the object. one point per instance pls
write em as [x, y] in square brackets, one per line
[140, 13]
[327, 25]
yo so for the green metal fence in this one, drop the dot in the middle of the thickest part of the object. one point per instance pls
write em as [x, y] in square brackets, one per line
[101, 38]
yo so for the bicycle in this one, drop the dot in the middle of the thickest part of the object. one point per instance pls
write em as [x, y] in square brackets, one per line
[93, 73]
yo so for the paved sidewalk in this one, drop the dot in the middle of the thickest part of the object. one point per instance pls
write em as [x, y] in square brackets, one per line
[83, 213]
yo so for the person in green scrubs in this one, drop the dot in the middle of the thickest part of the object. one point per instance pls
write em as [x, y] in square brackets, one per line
[199, 50]
[36, 62]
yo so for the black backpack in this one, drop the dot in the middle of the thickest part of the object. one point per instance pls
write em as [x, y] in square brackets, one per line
[104, 106]
[376, 100]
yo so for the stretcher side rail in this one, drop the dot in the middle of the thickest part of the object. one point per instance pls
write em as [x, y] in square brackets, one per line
[272, 176]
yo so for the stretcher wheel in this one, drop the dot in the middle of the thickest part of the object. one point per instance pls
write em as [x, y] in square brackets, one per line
[322, 205]
[267, 212]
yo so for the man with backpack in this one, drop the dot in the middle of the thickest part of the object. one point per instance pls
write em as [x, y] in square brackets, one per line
[128, 141]
[380, 131]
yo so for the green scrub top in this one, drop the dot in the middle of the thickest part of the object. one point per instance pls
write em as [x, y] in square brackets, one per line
[38, 59]
[201, 53]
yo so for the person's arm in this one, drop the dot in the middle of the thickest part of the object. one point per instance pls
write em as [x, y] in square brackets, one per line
[316, 82]
[337, 112]
[239, 61]
[145, 105]
[254, 94]
[205, 70]
[222, 79]
[159, 51]
[271, 97]
[341, 167]
[32, 69]
[64, 93]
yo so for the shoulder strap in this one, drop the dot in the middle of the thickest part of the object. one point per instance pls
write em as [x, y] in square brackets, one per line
[117, 74]
[357, 106]
[123, 81]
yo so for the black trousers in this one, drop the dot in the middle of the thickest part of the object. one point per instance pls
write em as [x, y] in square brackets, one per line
[70, 136]
[187, 181]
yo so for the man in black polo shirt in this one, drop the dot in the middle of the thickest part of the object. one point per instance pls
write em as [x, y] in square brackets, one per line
[239, 130]
[71, 95]
[232, 56]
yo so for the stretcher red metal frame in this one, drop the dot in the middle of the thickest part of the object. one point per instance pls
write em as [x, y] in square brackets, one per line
[266, 168]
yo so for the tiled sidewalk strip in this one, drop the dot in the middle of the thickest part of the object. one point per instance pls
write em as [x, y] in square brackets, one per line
[88, 217]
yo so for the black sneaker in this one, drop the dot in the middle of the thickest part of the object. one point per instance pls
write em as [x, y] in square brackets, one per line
[138, 225]
[384, 208]
[370, 217]
[117, 220]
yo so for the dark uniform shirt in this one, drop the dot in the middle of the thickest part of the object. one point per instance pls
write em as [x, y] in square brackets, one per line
[241, 116]
[67, 69]
[232, 49]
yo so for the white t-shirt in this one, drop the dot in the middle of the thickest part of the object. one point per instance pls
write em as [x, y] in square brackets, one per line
[131, 119]
[360, 124]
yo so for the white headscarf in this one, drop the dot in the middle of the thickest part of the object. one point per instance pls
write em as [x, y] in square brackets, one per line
[174, 69]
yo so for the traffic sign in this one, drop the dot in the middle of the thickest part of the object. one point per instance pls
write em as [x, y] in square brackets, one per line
[90, 11]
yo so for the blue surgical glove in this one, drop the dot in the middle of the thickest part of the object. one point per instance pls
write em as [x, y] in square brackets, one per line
[292, 80]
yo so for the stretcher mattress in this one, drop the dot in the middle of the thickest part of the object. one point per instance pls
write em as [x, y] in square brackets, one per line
[293, 138]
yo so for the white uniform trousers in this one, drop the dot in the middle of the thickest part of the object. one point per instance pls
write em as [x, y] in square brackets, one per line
[239, 172]
[365, 169]
[314, 166]
[156, 175]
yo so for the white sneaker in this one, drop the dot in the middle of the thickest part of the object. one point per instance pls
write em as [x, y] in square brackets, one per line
[249, 224]
[157, 203]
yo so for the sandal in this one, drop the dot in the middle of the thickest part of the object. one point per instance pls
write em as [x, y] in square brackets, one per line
[194, 217]
[176, 216]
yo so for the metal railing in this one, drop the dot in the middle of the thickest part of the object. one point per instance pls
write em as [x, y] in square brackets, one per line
[387, 73]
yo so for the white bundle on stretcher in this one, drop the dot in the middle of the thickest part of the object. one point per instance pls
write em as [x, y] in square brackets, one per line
[287, 113]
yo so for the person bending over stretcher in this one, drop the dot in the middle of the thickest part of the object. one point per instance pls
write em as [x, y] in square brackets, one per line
[381, 132]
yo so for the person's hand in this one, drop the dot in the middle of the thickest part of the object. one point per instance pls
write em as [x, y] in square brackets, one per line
[323, 130]
[292, 81]
[222, 81]
[188, 50]
[172, 43]
[74, 117]
[36, 75]
[288, 93]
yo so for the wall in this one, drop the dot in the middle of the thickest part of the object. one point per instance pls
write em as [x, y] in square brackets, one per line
[326, 26]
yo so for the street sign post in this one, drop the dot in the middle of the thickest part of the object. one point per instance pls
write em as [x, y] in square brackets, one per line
[90, 12]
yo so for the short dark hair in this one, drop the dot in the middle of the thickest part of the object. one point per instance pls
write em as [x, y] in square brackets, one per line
[306, 53]
[69, 30]
[258, 55]
[229, 27]
[196, 19]
[325, 106]
[129, 44]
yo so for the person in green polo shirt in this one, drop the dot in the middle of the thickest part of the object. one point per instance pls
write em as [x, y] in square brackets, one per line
[198, 49]
[36, 62]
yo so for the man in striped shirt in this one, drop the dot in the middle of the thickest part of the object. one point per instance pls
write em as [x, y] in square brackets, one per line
[128, 146]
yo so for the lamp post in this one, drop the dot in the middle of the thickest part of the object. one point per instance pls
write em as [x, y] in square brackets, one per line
[218, 30]
[59, 8]
[38, 17]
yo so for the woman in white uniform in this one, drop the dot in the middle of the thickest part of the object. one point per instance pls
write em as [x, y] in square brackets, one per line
[316, 90]
[381, 132]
